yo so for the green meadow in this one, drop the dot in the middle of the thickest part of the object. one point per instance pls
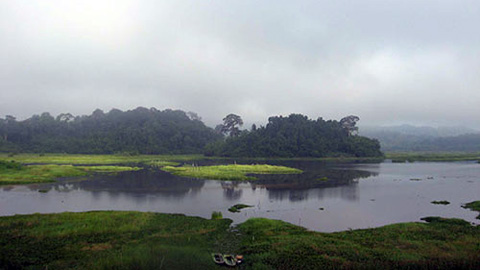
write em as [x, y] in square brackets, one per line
[16, 173]
[97, 159]
[40, 168]
[232, 172]
[135, 240]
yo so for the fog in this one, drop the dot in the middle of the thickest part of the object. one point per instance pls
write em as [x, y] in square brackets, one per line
[389, 62]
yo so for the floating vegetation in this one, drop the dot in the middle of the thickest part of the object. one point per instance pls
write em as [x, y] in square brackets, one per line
[322, 179]
[43, 190]
[474, 206]
[416, 179]
[231, 172]
[237, 207]
[441, 202]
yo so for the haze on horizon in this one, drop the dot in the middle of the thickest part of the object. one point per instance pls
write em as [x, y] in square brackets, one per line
[389, 62]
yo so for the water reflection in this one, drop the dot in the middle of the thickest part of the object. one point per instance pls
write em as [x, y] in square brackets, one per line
[146, 182]
[354, 195]
[231, 190]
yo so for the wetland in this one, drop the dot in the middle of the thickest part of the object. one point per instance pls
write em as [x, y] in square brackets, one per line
[324, 215]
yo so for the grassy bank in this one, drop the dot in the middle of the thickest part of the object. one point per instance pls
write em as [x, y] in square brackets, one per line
[152, 159]
[109, 240]
[133, 240]
[425, 156]
[97, 159]
[474, 206]
[15, 173]
[229, 172]
[439, 244]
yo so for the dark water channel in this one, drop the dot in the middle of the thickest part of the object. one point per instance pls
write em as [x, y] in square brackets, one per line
[355, 195]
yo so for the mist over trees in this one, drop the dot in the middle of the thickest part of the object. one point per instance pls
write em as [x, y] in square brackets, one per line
[142, 130]
[298, 136]
[406, 138]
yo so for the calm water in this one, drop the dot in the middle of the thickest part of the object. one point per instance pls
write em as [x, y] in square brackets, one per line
[355, 195]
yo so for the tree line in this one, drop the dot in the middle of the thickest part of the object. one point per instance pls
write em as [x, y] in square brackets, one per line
[142, 130]
[151, 131]
[294, 136]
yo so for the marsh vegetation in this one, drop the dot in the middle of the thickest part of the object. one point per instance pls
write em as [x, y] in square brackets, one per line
[16, 173]
[232, 172]
[127, 240]
[238, 207]
[474, 206]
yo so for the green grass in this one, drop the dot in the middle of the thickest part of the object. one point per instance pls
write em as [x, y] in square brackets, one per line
[110, 240]
[237, 207]
[474, 206]
[107, 169]
[97, 159]
[148, 159]
[48, 173]
[432, 156]
[217, 215]
[231, 172]
[134, 240]
[161, 163]
[440, 244]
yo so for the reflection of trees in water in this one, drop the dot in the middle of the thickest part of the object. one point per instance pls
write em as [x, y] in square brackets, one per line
[300, 187]
[231, 190]
[144, 181]
[296, 187]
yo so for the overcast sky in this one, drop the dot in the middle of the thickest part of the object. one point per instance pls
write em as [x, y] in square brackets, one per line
[389, 62]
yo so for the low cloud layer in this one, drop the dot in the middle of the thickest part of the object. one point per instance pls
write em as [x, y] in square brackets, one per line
[388, 62]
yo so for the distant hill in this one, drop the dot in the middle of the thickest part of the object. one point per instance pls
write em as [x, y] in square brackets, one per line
[412, 138]
[142, 130]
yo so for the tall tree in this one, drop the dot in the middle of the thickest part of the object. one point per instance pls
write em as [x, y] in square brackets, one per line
[230, 125]
[349, 124]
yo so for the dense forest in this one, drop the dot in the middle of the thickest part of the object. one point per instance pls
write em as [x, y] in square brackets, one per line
[151, 131]
[142, 130]
[296, 136]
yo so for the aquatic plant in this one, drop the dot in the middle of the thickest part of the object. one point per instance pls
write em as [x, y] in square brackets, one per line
[237, 207]
[440, 202]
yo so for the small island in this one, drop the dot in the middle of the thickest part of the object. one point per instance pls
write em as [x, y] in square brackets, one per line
[232, 172]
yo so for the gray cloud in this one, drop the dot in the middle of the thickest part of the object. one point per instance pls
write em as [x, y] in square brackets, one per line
[388, 62]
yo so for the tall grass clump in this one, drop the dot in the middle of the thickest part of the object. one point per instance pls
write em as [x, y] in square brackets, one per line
[217, 215]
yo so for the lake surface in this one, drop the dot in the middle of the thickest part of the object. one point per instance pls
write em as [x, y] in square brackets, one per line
[354, 196]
